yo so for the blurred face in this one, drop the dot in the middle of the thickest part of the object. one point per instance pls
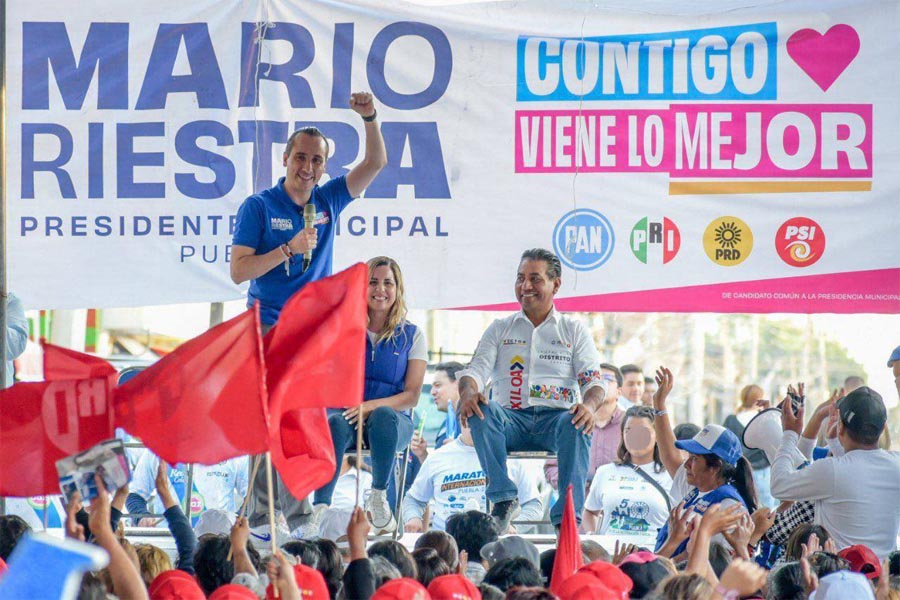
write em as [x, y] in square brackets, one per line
[612, 386]
[305, 163]
[896, 367]
[382, 292]
[444, 391]
[649, 389]
[534, 288]
[639, 436]
[633, 387]
[755, 394]
[699, 475]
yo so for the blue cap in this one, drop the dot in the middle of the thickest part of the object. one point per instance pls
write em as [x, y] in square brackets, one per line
[714, 439]
[895, 356]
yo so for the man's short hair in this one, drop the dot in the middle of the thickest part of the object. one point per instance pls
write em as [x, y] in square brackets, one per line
[627, 369]
[450, 368]
[472, 529]
[649, 380]
[852, 382]
[513, 572]
[554, 268]
[310, 131]
[686, 431]
[610, 367]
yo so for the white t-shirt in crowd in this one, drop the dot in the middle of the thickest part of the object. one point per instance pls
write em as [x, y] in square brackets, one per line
[344, 496]
[453, 478]
[632, 507]
[221, 486]
[857, 495]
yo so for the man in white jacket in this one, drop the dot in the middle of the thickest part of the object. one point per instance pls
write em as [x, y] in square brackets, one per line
[856, 490]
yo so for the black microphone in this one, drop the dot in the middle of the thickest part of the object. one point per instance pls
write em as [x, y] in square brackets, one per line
[309, 221]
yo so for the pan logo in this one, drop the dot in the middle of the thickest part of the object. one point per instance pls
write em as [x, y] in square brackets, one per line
[728, 241]
[800, 242]
[650, 239]
[583, 239]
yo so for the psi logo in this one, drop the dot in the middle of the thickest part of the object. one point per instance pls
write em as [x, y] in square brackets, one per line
[800, 242]
[583, 239]
[727, 241]
[654, 238]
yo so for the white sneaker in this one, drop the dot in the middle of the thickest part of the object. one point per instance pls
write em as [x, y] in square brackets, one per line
[378, 511]
[310, 529]
[261, 536]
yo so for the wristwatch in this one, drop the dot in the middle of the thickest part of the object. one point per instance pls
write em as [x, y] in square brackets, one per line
[371, 117]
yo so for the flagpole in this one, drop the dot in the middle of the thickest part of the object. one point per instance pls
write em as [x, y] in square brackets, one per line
[257, 460]
[271, 509]
[359, 441]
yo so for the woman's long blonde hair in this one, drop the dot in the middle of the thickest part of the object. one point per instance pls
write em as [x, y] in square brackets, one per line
[397, 314]
[745, 396]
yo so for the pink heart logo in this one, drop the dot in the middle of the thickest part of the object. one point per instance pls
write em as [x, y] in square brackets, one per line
[824, 57]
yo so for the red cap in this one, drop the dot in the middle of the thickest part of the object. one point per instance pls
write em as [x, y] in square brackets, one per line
[175, 585]
[584, 586]
[640, 557]
[401, 589]
[862, 560]
[311, 583]
[610, 576]
[453, 587]
[233, 591]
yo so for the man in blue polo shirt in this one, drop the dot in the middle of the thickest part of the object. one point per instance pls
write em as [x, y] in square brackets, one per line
[269, 241]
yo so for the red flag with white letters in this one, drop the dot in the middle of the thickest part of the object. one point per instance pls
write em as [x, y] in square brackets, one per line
[43, 422]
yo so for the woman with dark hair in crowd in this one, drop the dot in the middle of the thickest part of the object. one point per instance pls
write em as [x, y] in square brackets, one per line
[630, 497]
[396, 354]
[716, 472]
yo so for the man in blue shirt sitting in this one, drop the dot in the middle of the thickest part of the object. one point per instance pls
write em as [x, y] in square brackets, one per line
[270, 239]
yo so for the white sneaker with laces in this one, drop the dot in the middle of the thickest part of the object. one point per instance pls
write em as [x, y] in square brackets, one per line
[378, 511]
[310, 529]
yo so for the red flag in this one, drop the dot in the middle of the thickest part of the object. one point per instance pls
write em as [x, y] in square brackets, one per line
[568, 549]
[315, 359]
[63, 363]
[204, 402]
[43, 422]
[315, 356]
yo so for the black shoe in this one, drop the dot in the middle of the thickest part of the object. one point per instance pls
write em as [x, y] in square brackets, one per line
[503, 513]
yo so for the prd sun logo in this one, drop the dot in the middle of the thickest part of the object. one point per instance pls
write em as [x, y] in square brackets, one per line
[800, 242]
[728, 241]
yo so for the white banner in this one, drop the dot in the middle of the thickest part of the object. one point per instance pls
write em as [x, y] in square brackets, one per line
[733, 159]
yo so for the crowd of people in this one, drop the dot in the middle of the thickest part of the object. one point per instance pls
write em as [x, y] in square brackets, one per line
[695, 513]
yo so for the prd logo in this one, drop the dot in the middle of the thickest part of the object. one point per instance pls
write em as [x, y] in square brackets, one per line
[728, 241]
[800, 242]
[583, 239]
[653, 237]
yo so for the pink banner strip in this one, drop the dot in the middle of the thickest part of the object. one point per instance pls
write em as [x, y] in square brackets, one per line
[845, 293]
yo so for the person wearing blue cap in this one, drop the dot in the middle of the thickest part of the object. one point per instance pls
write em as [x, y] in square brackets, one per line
[715, 472]
[894, 363]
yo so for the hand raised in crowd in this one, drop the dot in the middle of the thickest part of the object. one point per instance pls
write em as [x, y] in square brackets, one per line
[743, 576]
[791, 420]
[681, 523]
[463, 565]
[119, 498]
[419, 447]
[469, 401]
[621, 551]
[414, 525]
[739, 536]
[306, 239]
[239, 535]
[582, 418]
[74, 529]
[664, 381]
[358, 534]
[163, 490]
[811, 546]
[99, 517]
[763, 519]
[810, 579]
[821, 414]
[281, 574]
[717, 519]
[362, 103]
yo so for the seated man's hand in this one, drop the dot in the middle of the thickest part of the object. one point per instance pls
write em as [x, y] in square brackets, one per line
[582, 417]
[470, 402]
[414, 525]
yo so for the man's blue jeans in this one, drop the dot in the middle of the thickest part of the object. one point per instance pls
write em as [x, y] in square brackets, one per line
[535, 428]
[386, 431]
